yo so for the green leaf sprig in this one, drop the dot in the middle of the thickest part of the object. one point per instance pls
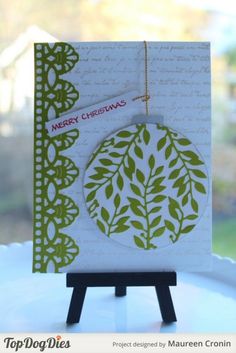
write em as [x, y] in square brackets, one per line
[186, 177]
[178, 227]
[148, 192]
[103, 148]
[116, 223]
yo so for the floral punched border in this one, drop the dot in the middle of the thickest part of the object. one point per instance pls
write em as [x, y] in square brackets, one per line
[53, 172]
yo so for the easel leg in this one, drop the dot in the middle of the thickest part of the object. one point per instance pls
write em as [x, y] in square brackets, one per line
[120, 291]
[165, 303]
[76, 305]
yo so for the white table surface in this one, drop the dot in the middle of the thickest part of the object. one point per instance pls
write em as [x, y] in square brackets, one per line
[39, 302]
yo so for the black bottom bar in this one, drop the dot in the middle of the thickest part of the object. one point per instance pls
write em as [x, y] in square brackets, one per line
[160, 280]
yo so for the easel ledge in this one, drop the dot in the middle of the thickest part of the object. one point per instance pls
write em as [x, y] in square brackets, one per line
[120, 280]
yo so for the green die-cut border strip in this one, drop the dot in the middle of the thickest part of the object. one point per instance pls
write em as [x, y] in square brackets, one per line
[61, 211]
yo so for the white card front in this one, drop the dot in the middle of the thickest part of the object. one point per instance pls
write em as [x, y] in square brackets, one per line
[113, 195]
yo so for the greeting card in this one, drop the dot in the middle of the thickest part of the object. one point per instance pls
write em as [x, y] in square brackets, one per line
[122, 166]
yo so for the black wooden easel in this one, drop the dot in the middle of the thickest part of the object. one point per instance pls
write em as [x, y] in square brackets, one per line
[160, 280]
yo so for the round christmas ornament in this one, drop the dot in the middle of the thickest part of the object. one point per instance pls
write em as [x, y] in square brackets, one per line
[146, 186]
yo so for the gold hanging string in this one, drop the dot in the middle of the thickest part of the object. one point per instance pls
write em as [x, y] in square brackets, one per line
[145, 98]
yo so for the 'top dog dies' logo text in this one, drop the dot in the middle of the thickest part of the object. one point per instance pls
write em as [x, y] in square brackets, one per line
[29, 343]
